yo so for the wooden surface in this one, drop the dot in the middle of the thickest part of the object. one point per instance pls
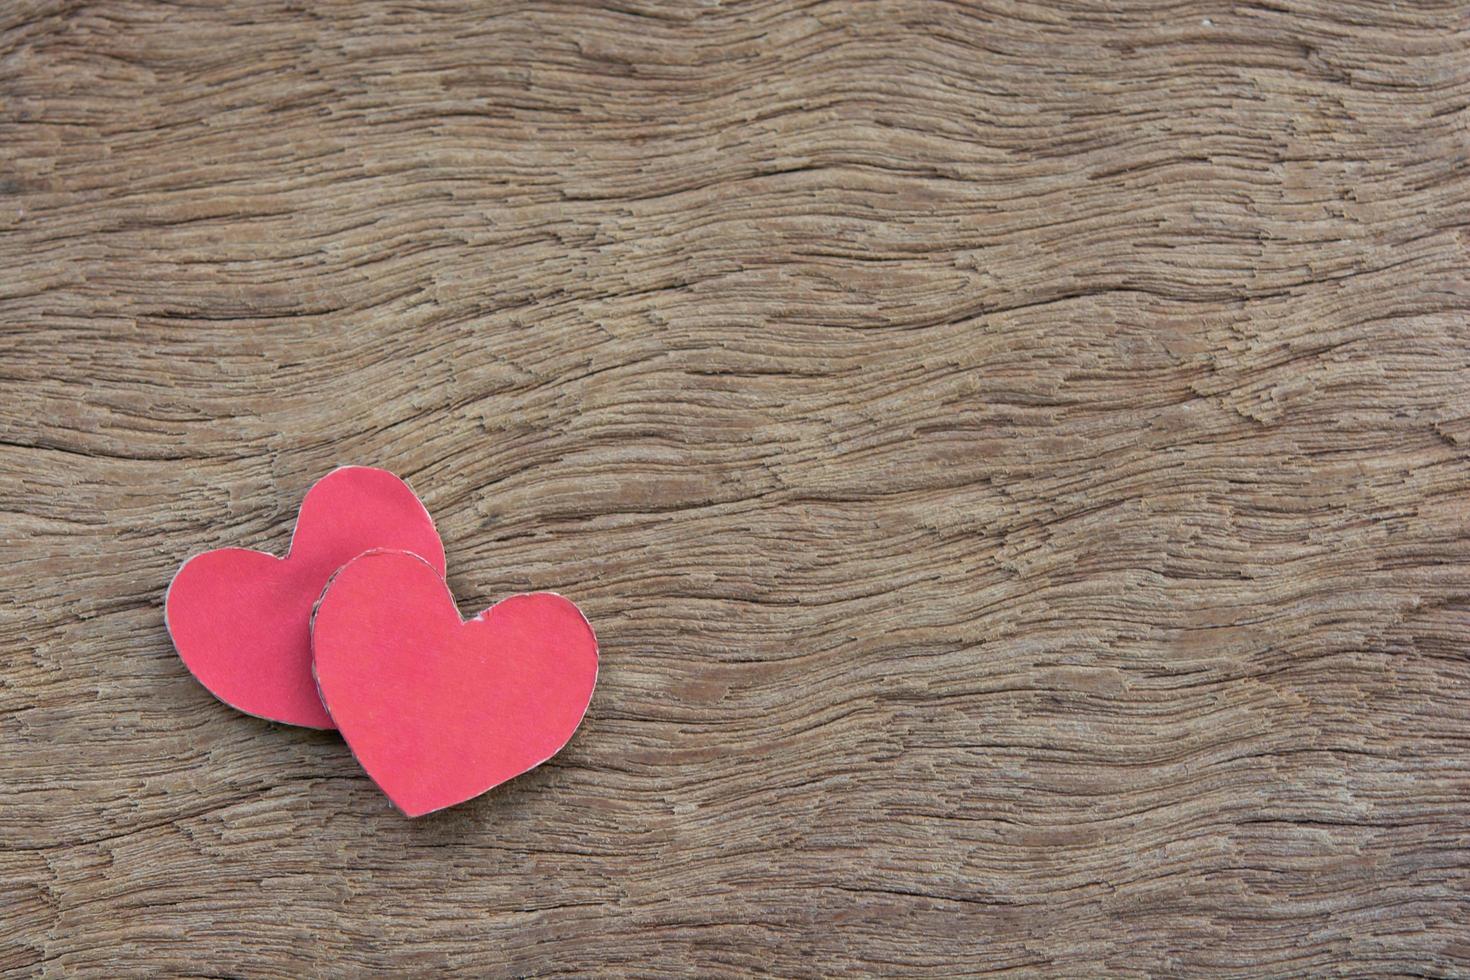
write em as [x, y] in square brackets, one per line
[1015, 457]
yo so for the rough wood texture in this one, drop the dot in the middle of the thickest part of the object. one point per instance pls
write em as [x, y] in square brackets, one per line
[1016, 458]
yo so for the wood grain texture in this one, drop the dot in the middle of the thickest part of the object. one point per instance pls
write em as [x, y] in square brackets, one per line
[1015, 457]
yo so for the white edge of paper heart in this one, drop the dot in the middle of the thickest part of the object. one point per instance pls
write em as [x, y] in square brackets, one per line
[295, 526]
[478, 617]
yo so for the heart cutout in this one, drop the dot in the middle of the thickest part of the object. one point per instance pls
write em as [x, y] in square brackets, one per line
[436, 708]
[241, 619]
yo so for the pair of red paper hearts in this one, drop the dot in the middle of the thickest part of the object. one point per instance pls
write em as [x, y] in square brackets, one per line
[357, 630]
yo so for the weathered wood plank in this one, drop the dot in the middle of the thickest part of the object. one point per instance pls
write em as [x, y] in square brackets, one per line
[1015, 457]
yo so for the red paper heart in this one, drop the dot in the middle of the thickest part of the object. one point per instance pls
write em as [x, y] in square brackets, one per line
[241, 619]
[438, 709]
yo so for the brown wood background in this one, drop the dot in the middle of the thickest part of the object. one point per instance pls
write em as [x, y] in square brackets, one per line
[1015, 456]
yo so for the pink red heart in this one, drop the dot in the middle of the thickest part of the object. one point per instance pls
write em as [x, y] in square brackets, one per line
[241, 620]
[438, 709]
